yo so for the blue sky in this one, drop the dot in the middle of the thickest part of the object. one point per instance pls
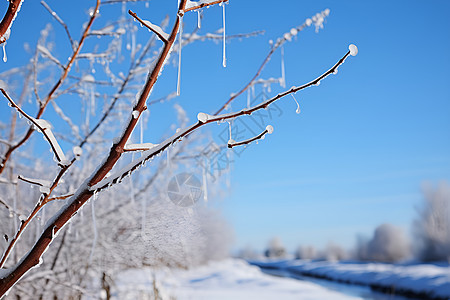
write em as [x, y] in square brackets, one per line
[366, 139]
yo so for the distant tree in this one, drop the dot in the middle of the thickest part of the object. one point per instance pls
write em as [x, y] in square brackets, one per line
[388, 244]
[431, 228]
[275, 249]
[334, 252]
[306, 252]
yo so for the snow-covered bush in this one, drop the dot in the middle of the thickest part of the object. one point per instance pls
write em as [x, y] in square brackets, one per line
[388, 244]
[305, 252]
[333, 252]
[432, 227]
[275, 249]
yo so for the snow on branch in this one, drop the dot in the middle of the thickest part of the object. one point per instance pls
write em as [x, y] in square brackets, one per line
[155, 28]
[193, 5]
[139, 147]
[44, 185]
[233, 143]
[44, 127]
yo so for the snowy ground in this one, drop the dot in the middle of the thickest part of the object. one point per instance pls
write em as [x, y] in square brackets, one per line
[228, 279]
[425, 280]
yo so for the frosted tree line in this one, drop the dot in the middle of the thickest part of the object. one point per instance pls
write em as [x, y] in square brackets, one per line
[101, 204]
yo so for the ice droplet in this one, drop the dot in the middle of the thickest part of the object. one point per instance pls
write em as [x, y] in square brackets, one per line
[353, 49]
[269, 129]
[135, 114]
[308, 22]
[297, 111]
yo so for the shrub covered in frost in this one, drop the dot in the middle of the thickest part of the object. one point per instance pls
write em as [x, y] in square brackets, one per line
[275, 248]
[388, 244]
[432, 227]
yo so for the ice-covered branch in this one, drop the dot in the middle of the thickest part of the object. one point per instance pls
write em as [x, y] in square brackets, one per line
[44, 127]
[268, 130]
[280, 41]
[60, 21]
[8, 19]
[204, 119]
[193, 5]
[155, 28]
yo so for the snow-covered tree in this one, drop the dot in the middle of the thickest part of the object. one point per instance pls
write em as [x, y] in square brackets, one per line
[432, 227]
[89, 211]
[388, 244]
[275, 248]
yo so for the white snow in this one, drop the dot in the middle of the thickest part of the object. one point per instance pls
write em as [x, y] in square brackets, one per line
[158, 30]
[430, 279]
[135, 114]
[353, 49]
[191, 4]
[269, 129]
[77, 151]
[46, 130]
[142, 146]
[203, 117]
[227, 279]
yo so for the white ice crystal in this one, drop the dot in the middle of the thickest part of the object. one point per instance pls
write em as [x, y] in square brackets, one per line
[269, 129]
[353, 49]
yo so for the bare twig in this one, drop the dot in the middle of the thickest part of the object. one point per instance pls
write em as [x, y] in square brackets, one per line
[44, 127]
[268, 130]
[60, 21]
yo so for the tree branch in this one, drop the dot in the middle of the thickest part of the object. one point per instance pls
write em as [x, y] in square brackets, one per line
[8, 19]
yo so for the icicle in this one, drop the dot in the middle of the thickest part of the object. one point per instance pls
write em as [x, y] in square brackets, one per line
[229, 128]
[168, 157]
[298, 105]
[199, 19]
[5, 58]
[248, 98]
[283, 75]
[94, 224]
[180, 33]
[144, 216]
[224, 58]
[141, 129]
[205, 184]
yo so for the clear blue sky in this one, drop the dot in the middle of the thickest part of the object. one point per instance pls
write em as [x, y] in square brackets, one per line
[366, 139]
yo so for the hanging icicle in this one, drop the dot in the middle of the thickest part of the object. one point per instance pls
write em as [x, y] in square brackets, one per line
[248, 98]
[94, 224]
[224, 57]
[283, 75]
[199, 19]
[180, 33]
[205, 183]
[297, 111]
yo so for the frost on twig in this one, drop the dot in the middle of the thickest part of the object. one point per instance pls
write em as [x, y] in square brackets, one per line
[45, 52]
[44, 185]
[155, 28]
[232, 143]
[44, 127]
[193, 5]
